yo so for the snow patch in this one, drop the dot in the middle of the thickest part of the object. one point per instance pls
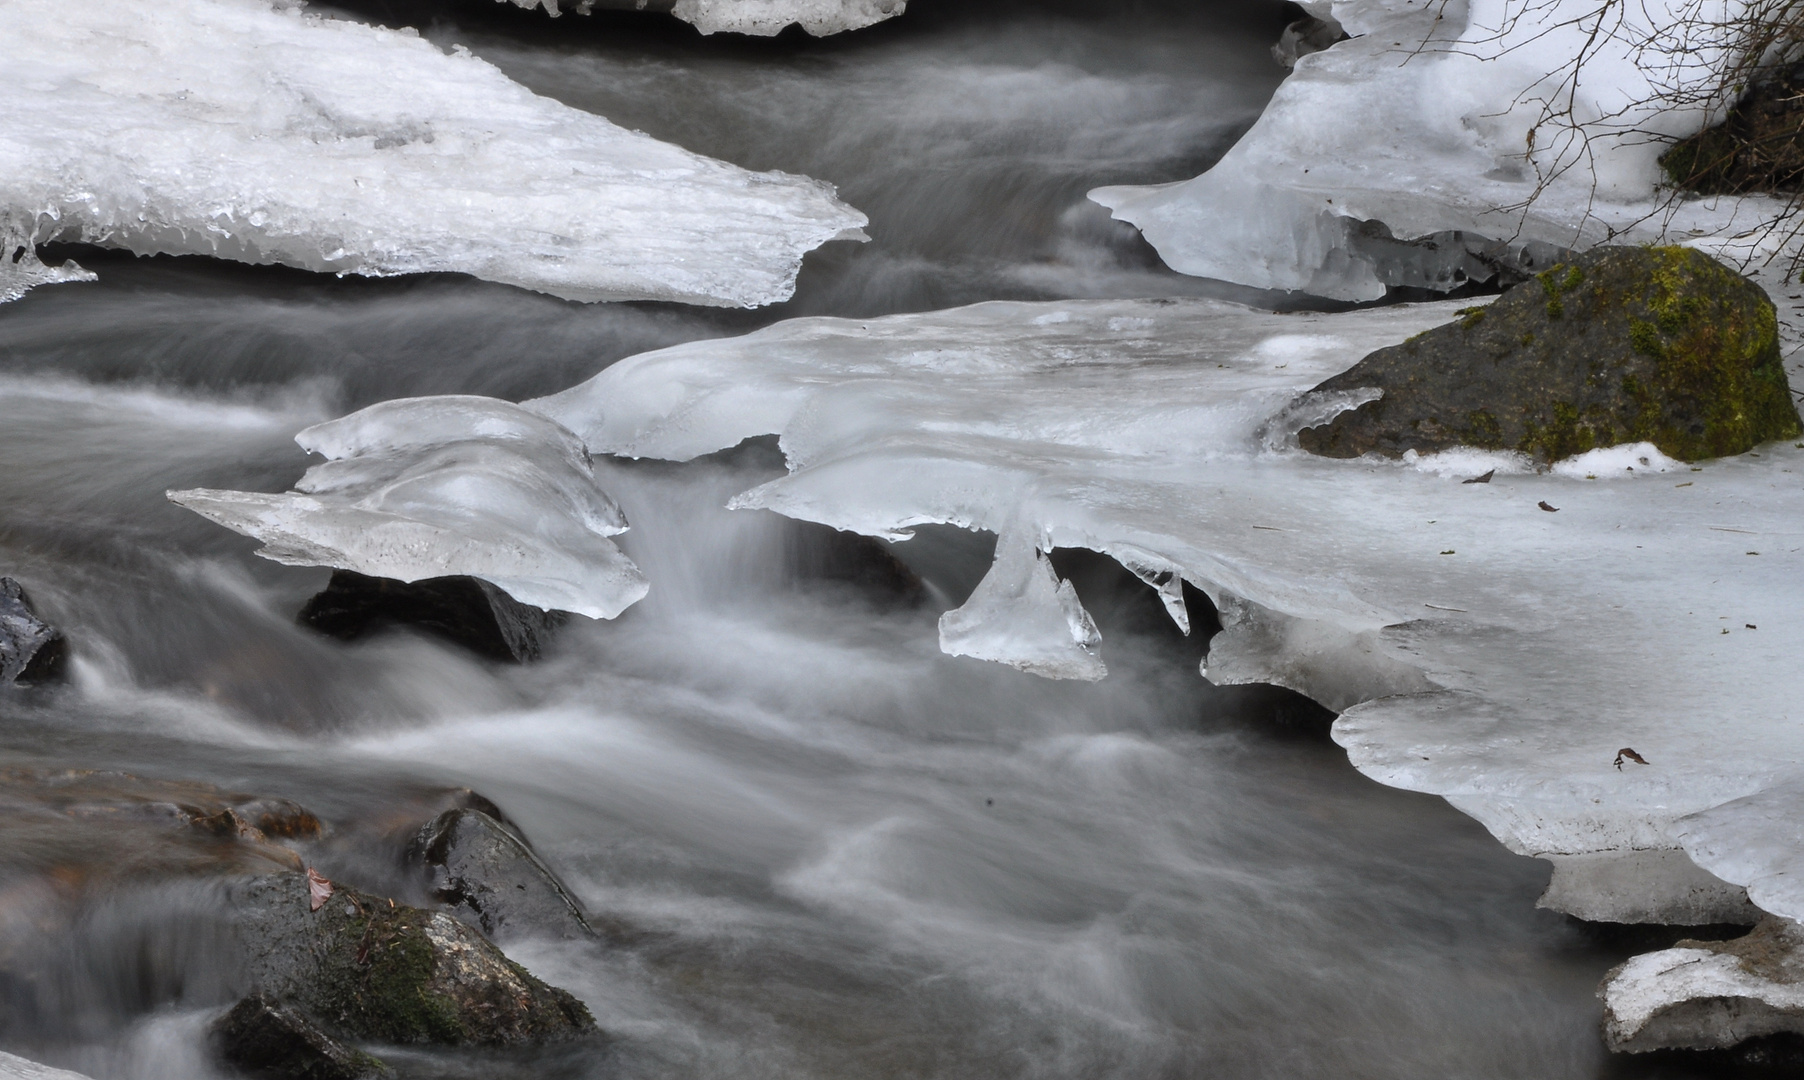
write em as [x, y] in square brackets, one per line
[1617, 462]
[1467, 462]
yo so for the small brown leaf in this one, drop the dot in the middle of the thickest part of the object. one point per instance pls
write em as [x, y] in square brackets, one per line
[319, 890]
[1626, 754]
[1550, 509]
[1485, 479]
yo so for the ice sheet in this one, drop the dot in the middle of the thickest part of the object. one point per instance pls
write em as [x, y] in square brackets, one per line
[763, 18]
[1484, 648]
[431, 487]
[1434, 118]
[264, 134]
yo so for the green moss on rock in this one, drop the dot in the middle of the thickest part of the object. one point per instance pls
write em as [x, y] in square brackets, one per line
[1661, 345]
[370, 968]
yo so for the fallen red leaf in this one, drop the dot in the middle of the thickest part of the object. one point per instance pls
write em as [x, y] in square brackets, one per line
[319, 890]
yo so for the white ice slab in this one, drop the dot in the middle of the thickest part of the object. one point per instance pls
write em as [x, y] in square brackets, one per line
[245, 131]
[1423, 121]
[13, 1067]
[1504, 653]
[763, 18]
[431, 487]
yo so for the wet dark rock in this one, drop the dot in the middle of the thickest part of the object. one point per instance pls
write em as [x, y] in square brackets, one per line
[491, 879]
[1758, 147]
[272, 1041]
[32, 651]
[369, 968]
[820, 553]
[466, 610]
[1621, 344]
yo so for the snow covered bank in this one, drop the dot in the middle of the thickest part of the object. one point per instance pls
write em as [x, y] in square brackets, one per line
[763, 18]
[1483, 647]
[432, 487]
[249, 130]
[1451, 119]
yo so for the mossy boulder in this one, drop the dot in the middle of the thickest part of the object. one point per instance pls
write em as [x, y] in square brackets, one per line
[369, 968]
[1620, 344]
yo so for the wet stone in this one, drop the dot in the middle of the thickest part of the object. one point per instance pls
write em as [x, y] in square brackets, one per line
[32, 651]
[272, 1041]
[1618, 345]
[465, 610]
[821, 553]
[491, 879]
[369, 968]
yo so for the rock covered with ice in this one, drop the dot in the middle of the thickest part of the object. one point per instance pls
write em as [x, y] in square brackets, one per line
[1462, 122]
[433, 487]
[1503, 644]
[1708, 995]
[250, 130]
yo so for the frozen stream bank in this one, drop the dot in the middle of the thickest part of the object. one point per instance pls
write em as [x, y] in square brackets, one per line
[838, 851]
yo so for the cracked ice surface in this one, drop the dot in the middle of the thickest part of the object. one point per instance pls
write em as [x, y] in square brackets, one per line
[431, 487]
[1481, 648]
[256, 132]
[1430, 119]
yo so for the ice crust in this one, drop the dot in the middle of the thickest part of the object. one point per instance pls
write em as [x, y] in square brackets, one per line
[1482, 648]
[431, 487]
[1422, 121]
[249, 130]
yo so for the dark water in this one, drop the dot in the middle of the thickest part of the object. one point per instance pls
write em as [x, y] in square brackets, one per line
[832, 851]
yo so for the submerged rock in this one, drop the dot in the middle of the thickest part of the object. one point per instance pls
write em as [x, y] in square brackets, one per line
[467, 610]
[31, 650]
[89, 828]
[273, 1041]
[1619, 345]
[1708, 995]
[369, 968]
[821, 553]
[491, 878]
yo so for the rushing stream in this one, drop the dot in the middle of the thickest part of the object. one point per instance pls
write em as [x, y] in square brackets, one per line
[826, 849]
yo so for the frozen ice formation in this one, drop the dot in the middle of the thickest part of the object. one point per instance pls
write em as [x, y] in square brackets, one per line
[248, 130]
[767, 17]
[433, 487]
[13, 1067]
[1480, 645]
[1455, 122]
[1022, 615]
[762, 18]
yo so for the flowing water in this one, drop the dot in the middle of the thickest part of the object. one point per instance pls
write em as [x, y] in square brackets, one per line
[824, 849]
